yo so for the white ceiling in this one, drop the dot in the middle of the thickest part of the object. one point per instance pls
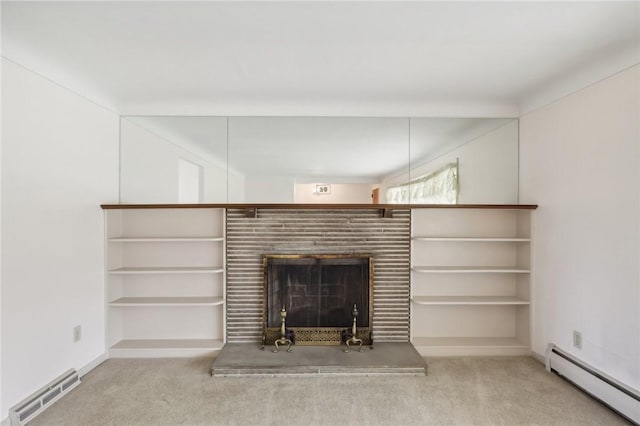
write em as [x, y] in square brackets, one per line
[322, 58]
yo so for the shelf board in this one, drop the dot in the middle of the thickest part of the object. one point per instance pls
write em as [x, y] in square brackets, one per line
[168, 270]
[167, 301]
[475, 239]
[469, 342]
[469, 300]
[471, 269]
[470, 346]
[163, 239]
[161, 348]
[168, 344]
[318, 206]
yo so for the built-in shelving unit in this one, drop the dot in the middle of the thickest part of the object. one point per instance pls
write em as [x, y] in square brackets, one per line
[165, 282]
[470, 278]
[470, 281]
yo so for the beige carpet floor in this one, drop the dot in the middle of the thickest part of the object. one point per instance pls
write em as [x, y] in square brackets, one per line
[464, 391]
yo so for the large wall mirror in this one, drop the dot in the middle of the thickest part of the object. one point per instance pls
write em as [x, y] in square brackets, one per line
[324, 160]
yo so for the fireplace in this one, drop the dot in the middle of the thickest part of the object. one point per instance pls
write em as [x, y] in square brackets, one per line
[317, 231]
[319, 292]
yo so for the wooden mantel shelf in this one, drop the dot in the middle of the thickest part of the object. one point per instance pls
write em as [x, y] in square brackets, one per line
[293, 206]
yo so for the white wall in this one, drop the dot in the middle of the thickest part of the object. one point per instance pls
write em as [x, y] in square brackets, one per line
[149, 169]
[579, 160]
[189, 182]
[282, 189]
[60, 161]
[341, 193]
[1, 102]
[235, 187]
[149, 166]
[268, 189]
[488, 167]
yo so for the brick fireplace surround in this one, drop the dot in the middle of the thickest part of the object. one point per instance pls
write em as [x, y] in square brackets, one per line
[318, 231]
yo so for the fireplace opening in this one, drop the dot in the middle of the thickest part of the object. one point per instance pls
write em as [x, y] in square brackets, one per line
[318, 293]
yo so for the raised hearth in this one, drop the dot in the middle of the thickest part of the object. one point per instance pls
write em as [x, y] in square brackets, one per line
[246, 359]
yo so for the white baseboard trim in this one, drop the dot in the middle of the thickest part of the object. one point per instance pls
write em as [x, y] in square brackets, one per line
[538, 357]
[91, 365]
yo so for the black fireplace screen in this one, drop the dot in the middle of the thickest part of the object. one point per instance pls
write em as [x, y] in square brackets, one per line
[318, 290]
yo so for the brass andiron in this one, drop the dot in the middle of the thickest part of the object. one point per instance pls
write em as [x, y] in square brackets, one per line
[354, 331]
[283, 333]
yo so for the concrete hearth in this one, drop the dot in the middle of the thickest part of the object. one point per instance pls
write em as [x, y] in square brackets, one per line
[246, 359]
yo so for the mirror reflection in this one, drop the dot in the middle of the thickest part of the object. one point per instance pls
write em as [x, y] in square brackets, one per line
[174, 160]
[326, 160]
[315, 159]
[461, 161]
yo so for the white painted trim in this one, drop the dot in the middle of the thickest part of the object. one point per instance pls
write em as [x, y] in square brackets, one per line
[540, 358]
[365, 108]
[91, 365]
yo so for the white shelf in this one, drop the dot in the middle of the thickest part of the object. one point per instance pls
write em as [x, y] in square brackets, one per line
[470, 346]
[470, 276]
[162, 348]
[165, 282]
[471, 269]
[495, 342]
[468, 300]
[167, 301]
[475, 239]
[168, 270]
[164, 239]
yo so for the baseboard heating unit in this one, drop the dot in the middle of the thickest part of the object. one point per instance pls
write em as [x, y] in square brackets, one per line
[616, 395]
[34, 404]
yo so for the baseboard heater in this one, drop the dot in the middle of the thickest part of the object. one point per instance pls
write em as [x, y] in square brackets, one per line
[618, 396]
[34, 404]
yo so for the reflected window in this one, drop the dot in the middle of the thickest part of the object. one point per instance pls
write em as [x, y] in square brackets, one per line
[439, 187]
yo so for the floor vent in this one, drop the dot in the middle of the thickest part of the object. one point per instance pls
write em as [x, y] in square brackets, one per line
[33, 405]
[618, 396]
